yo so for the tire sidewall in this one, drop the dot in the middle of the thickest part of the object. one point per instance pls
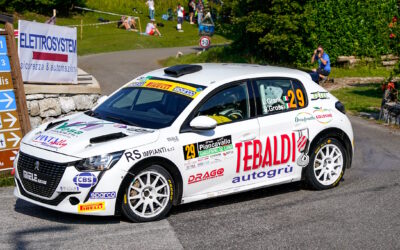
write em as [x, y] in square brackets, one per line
[310, 175]
[126, 209]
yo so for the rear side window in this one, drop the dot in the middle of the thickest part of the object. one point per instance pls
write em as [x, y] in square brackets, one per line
[280, 95]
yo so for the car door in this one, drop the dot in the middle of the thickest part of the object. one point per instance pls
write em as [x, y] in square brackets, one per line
[210, 157]
[276, 154]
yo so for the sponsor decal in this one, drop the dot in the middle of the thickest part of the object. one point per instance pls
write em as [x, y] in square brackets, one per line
[50, 141]
[171, 190]
[304, 117]
[157, 151]
[120, 125]
[85, 180]
[133, 155]
[322, 115]
[303, 147]
[102, 195]
[77, 128]
[174, 87]
[206, 176]
[33, 177]
[209, 147]
[266, 154]
[139, 130]
[91, 207]
[173, 139]
[319, 95]
[264, 174]
[68, 189]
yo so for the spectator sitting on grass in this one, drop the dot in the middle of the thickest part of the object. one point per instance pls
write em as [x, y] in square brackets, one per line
[129, 23]
[324, 64]
[151, 29]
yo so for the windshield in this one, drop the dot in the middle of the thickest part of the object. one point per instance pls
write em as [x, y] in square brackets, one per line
[155, 104]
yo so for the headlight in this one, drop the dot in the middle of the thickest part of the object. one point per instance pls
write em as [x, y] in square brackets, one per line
[99, 162]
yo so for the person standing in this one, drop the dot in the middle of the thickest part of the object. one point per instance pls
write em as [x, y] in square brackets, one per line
[192, 8]
[180, 14]
[199, 9]
[150, 3]
[324, 64]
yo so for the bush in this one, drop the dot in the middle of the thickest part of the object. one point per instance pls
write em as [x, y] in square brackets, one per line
[287, 31]
[44, 7]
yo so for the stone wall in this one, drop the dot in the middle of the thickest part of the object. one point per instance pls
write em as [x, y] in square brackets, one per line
[43, 108]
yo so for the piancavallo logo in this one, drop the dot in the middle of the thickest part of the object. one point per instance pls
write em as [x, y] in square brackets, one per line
[304, 117]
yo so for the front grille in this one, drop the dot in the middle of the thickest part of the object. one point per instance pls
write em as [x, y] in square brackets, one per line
[49, 172]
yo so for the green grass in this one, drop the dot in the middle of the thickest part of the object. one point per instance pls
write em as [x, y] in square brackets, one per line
[107, 38]
[360, 71]
[6, 180]
[362, 98]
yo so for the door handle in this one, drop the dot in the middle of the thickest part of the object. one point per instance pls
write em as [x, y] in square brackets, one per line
[248, 137]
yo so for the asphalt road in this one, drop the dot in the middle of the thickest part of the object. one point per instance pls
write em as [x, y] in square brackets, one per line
[112, 70]
[363, 212]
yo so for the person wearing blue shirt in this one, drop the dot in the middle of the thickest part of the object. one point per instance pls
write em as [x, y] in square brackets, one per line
[324, 64]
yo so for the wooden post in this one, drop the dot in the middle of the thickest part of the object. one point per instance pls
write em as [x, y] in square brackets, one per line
[140, 26]
[81, 29]
[19, 90]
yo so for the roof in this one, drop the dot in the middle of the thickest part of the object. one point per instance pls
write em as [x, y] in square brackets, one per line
[225, 72]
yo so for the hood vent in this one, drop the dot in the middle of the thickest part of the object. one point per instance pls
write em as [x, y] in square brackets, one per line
[108, 137]
[180, 70]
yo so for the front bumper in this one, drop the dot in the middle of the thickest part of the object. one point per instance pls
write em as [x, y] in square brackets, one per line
[64, 194]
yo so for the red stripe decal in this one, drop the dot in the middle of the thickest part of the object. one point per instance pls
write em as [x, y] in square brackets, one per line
[50, 56]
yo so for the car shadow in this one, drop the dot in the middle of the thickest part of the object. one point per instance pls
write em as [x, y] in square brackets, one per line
[239, 198]
[39, 212]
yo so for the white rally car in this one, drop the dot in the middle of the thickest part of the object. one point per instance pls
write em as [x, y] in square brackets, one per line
[183, 134]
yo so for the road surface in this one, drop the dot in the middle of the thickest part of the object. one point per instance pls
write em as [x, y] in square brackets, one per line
[363, 212]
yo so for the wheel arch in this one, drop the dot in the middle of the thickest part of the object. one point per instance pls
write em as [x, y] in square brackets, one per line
[341, 136]
[164, 162]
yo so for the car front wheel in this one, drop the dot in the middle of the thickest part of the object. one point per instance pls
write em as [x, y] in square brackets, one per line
[327, 164]
[149, 195]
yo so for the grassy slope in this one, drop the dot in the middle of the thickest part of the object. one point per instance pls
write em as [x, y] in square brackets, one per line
[107, 38]
[365, 98]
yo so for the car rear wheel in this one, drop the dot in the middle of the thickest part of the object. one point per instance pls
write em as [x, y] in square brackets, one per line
[149, 195]
[327, 164]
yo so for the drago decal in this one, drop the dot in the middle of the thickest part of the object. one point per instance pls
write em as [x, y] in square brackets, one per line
[206, 176]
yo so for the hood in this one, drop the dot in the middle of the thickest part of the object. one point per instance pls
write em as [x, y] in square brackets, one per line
[84, 136]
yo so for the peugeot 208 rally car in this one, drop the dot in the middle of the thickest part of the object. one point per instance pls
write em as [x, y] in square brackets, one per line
[183, 134]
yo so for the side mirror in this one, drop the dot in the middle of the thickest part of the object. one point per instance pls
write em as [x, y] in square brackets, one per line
[203, 123]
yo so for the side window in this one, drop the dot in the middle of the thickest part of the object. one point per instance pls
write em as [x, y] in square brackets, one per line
[278, 95]
[229, 105]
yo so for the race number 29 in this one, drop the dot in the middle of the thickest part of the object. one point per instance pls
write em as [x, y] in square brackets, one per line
[190, 151]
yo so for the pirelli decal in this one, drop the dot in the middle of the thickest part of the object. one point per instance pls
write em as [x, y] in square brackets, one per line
[178, 88]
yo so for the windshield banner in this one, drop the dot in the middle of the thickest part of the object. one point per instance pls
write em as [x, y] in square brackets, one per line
[178, 88]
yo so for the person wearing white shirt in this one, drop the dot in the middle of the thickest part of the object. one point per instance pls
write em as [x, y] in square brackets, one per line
[180, 13]
[150, 3]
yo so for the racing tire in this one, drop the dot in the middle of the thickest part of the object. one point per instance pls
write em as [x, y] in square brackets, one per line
[328, 161]
[148, 195]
